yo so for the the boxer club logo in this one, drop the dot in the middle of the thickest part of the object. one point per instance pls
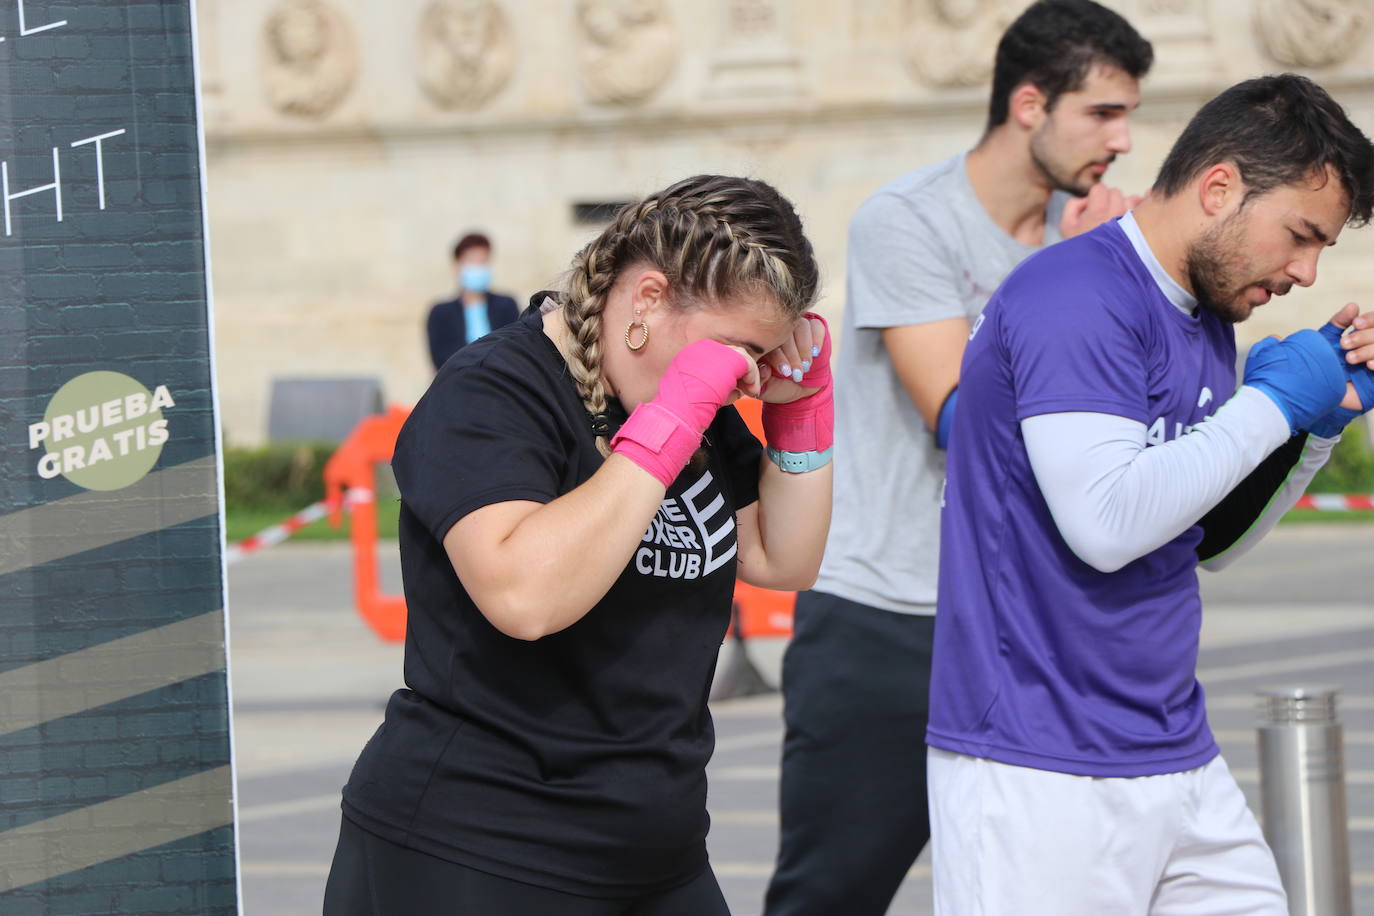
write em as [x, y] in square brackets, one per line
[690, 536]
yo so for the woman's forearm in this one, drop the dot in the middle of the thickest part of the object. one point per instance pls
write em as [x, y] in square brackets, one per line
[537, 568]
[782, 536]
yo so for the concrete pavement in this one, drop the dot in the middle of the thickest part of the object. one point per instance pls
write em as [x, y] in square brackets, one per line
[309, 683]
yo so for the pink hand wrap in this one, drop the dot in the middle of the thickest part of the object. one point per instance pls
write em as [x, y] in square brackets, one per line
[806, 424]
[661, 435]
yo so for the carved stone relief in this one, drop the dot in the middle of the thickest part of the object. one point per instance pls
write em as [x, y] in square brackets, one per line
[627, 48]
[1312, 33]
[754, 55]
[752, 18]
[951, 43]
[309, 58]
[466, 52]
[1184, 35]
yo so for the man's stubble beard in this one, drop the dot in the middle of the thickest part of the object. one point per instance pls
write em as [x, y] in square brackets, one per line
[1059, 178]
[1213, 276]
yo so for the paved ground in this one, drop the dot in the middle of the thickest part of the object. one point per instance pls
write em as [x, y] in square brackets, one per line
[309, 682]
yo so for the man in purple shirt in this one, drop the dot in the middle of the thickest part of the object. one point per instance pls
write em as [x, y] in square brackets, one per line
[1100, 451]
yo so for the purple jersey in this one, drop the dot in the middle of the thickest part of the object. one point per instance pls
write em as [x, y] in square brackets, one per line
[1041, 660]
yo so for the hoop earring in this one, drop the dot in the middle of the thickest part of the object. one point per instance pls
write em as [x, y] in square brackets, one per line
[644, 338]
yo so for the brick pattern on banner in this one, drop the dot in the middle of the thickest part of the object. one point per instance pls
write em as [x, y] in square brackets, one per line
[98, 124]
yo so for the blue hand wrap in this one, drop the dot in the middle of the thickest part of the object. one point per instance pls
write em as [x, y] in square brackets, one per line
[946, 421]
[1334, 423]
[1300, 374]
[1359, 375]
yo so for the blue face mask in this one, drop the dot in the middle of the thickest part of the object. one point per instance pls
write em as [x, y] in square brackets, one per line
[475, 277]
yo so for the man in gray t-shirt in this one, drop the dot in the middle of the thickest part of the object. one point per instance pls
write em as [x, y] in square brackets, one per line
[921, 250]
[926, 252]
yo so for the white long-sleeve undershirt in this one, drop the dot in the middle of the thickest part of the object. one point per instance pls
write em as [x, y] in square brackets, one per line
[1114, 499]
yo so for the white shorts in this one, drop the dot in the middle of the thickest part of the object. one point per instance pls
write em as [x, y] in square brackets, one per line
[1015, 841]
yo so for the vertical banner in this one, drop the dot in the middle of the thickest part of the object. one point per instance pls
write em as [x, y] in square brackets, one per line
[116, 794]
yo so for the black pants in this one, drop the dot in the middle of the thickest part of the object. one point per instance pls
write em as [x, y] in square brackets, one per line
[856, 684]
[372, 876]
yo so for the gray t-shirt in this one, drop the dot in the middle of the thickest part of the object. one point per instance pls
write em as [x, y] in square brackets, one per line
[921, 249]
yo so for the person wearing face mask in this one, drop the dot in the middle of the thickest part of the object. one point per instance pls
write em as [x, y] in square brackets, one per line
[578, 495]
[477, 311]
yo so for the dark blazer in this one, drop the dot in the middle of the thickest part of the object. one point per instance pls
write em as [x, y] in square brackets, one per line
[448, 327]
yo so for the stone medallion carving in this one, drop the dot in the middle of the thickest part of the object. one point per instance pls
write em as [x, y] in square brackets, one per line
[1312, 33]
[467, 52]
[310, 60]
[627, 48]
[951, 43]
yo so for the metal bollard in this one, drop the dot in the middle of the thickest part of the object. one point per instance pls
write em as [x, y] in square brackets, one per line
[1302, 790]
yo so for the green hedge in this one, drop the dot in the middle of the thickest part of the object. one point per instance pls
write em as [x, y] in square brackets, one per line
[281, 479]
[1351, 468]
[278, 477]
[240, 523]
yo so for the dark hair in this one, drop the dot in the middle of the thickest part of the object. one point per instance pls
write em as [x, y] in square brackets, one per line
[1277, 130]
[1053, 46]
[471, 240]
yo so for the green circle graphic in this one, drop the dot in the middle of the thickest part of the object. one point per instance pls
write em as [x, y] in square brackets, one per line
[96, 443]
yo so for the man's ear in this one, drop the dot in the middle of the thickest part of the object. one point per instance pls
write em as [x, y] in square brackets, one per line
[1028, 106]
[1220, 189]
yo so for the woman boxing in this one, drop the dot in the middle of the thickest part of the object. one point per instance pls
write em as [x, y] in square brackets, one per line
[577, 497]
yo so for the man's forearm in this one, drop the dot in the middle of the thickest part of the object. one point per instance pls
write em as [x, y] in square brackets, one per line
[1115, 500]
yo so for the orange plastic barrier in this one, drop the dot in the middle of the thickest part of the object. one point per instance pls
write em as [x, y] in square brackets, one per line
[351, 473]
[761, 611]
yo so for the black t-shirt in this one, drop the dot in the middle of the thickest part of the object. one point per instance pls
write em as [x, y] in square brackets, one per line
[576, 761]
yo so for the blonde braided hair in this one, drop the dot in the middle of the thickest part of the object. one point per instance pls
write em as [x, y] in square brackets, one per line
[713, 237]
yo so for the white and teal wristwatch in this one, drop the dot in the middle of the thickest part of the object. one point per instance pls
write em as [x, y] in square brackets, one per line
[799, 462]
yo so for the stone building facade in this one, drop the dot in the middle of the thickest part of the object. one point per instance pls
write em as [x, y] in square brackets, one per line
[350, 142]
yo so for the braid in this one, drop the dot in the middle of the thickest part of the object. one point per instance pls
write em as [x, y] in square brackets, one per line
[713, 238]
[591, 280]
[594, 272]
